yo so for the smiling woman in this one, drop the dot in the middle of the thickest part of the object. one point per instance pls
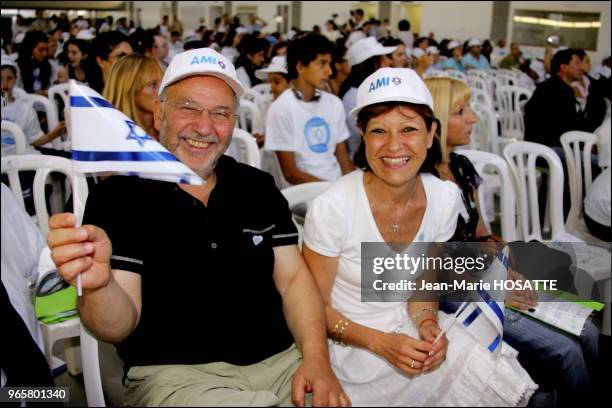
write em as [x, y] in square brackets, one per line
[393, 352]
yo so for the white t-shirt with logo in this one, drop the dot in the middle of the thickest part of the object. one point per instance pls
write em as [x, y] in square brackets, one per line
[311, 130]
[22, 114]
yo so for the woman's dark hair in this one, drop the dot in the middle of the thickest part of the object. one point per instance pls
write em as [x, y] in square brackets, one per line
[27, 65]
[359, 73]
[333, 24]
[250, 45]
[434, 153]
[337, 58]
[392, 42]
[84, 47]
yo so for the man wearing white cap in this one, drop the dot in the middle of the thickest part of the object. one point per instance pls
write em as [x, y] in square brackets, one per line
[454, 62]
[204, 292]
[306, 126]
[474, 59]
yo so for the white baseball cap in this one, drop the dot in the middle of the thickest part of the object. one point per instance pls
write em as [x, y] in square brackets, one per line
[432, 49]
[417, 52]
[453, 44]
[278, 65]
[201, 61]
[6, 60]
[392, 85]
[366, 48]
[474, 42]
[85, 35]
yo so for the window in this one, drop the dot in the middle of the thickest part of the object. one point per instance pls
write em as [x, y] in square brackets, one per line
[575, 30]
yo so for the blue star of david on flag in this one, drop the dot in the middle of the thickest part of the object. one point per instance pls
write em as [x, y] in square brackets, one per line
[133, 135]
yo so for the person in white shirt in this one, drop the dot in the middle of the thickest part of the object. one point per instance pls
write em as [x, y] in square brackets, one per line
[276, 75]
[175, 46]
[252, 56]
[394, 353]
[306, 127]
[22, 114]
[404, 33]
[597, 213]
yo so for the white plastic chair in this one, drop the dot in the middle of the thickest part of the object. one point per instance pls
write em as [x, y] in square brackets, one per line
[482, 162]
[509, 100]
[453, 73]
[248, 151]
[18, 136]
[247, 112]
[43, 104]
[43, 166]
[521, 158]
[482, 97]
[303, 194]
[577, 147]
[270, 164]
[63, 90]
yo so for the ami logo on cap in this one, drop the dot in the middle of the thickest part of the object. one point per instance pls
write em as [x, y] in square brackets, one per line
[207, 59]
[384, 81]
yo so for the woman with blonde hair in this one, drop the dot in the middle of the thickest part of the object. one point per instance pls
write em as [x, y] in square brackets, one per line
[132, 87]
[543, 350]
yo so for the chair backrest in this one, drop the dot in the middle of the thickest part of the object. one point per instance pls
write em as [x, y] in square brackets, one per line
[509, 102]
[248, 152]
[41, 103]
[18, 136]
[577, 147]
[62, 90]
[270, 164]
[44, 165]
[486, 78]
[247, 112]
[487, 128]
[453, 73]
[303, 194]
[521, 158]
[485, 160]
[482, 97]
[265, 90]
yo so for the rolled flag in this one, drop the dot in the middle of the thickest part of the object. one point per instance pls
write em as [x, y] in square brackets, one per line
[484, 318]
[105, 140]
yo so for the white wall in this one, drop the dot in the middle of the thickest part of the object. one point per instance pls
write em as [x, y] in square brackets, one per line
[603, 7]
[318, 12]
[456, 19]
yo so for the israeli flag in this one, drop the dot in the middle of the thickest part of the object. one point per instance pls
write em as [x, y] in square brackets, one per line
[105, 140]
[484, 317]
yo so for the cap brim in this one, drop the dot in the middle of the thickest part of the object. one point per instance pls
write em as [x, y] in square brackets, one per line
[236, 86]
[263, 73]
[355, 111]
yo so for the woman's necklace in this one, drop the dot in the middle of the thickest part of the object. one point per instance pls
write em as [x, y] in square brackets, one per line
[395, 226]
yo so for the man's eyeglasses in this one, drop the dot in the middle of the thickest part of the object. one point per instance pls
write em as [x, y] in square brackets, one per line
[190, 110]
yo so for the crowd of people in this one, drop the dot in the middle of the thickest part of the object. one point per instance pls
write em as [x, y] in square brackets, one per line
[240, 315]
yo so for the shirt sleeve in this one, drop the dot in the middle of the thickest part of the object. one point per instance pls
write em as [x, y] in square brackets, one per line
[326, 227]
[31, 128]
[341, 126]
[279, 135]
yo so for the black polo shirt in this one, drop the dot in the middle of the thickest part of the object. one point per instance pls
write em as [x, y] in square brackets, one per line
[207, 271]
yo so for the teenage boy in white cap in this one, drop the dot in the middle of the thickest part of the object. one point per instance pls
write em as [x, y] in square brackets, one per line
[474, 59]
[205, 292]
[306, 126]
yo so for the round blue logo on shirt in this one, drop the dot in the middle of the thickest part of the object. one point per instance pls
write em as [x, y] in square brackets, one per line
[317, 134]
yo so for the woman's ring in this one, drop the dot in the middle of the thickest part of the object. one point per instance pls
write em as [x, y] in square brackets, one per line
[412, 364]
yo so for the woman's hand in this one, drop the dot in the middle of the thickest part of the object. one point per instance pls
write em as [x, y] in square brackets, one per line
[428, 332]
[520, 299]
[404, 352]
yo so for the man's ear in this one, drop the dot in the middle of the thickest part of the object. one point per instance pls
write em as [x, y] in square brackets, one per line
[299, 67]
[101, 62]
